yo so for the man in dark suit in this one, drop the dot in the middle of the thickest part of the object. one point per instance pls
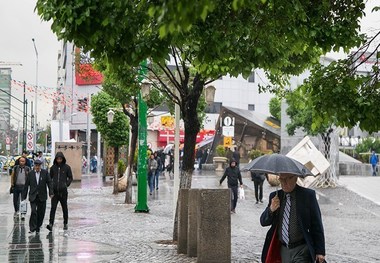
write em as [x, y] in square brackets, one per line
[37, 180]
[295, 219]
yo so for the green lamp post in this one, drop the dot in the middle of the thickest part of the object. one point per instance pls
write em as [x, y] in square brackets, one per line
[142, 193]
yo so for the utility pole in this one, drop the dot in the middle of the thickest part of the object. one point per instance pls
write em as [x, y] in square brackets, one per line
[88, 133]
[35, 100]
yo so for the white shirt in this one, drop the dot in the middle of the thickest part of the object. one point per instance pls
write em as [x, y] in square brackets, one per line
[38, 177]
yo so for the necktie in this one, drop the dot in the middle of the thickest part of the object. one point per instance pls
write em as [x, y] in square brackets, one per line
[285, 220]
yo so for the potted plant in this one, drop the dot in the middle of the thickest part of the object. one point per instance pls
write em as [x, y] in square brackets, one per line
[220, 159]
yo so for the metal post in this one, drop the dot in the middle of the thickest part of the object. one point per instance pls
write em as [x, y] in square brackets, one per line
[35, 100]
[18, 137]
[98, 148]
[24, 123]
[141, 204]
[176, 157]
[88, 134]
[176, 150]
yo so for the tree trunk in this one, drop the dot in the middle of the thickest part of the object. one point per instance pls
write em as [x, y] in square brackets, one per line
[192, 127]
[132, 149]
[115, 163]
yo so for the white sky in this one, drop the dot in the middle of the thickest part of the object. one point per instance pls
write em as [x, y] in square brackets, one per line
[19, 24]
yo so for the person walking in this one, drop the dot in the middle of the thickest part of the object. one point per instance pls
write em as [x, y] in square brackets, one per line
[37, 182]
[158, 170]
[233, 178]
[198, 156]
[152, 167]
[295, 222]
[236, 156]
[258, 181]
[374, 160]
[61, 176]
[18, 180]
[25, 155]
[42, 159]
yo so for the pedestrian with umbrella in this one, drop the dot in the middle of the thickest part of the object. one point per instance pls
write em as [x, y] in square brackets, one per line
[296, 231]
[233, 178]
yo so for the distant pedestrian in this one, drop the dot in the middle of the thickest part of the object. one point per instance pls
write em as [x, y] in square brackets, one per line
[18, 180]
[258, 181]
[198, 156]
[204, 157]
[233, 178]
[94, 164]
[158, 170]
[229, 154]
[61, 176]
[236, 156]
[25, 155]
[42, 159]
[38, 181]
[374, 160]
[152, 167]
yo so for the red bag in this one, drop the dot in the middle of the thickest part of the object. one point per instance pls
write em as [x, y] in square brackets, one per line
[274, 251]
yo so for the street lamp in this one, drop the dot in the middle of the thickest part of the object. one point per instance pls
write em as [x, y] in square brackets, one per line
[141, 204]
[110, 115]
[35, 99]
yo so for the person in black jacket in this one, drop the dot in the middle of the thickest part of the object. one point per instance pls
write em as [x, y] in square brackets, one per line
[62, 177]
[37, 181]
[258, 180]
[233, 178]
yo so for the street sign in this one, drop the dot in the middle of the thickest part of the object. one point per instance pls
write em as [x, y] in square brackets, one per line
[228, 131]
[227, 141]
[29, 141]
[7, 147]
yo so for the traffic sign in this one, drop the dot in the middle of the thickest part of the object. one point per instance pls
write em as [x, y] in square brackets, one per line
[29, 141]
[227, 141]
[228, 131]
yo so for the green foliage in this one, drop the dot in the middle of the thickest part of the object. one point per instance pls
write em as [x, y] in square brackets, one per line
[116, 133]
[363, 149]
[275, 107]
[220, 151]
[253, 154]
[208, 38]
[121, 167]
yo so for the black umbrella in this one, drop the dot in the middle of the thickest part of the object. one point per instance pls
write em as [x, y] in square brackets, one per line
[277, 164]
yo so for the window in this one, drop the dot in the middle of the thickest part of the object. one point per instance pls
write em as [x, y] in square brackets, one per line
[214, 107]
[251, 77]
[251, 107]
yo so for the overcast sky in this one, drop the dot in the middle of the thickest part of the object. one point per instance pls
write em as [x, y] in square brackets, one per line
[19, 24]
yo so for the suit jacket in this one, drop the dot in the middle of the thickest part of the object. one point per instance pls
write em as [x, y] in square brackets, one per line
[309, 220]
[40, 189]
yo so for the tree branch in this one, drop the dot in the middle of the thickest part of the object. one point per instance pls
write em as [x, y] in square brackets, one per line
[165, 88]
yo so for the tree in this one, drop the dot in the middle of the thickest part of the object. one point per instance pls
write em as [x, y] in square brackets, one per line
[275, 107]
[230, 37]
[115, 133]
[122, 84]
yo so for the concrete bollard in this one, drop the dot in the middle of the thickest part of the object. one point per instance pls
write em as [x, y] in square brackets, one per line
[214, 226]
[192, 230]
[183, 204]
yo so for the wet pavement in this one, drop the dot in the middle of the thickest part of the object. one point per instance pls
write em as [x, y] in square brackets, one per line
[104, 229]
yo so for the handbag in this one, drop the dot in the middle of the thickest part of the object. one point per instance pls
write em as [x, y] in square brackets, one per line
[11, 190]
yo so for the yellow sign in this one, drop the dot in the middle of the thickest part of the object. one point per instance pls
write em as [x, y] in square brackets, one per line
[227, 141]
[167, 122]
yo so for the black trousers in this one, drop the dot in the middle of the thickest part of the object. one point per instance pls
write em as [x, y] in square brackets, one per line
[62, 198]
[258, 190]
[17, 190]
[37, 215]
[234, 196]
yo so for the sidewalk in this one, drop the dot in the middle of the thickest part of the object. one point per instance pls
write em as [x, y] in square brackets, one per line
[104, 229]
[365, 186]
